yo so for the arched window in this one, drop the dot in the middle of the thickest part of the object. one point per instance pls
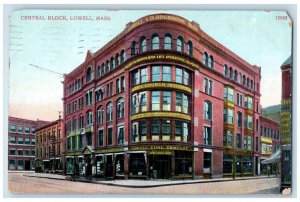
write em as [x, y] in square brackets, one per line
[190, 48]
[120, 108]
[155, 42]
[123, 55]
[112, 63]
[230, 72]
[98, 72]
[102, 69]
[143, 44]
[207, 110]
[211, 62]
[89, 74]
[180, 46]
[239, 119]
[109, 112]
[133, 48]
[100, 115]
[117, 59]
[235, 75]
[107, 66]
[205, 58]
[241, 78]
[225, 70]
[251, 84]
[168, 42]
[89, 118]
[244, 80]
[248, 83]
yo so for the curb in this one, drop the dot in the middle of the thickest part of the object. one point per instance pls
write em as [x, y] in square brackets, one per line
[157, 185]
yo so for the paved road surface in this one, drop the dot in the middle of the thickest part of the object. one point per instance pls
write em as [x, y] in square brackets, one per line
[18, 183]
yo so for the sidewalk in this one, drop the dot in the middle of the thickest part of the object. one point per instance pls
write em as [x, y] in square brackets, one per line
[140, 183]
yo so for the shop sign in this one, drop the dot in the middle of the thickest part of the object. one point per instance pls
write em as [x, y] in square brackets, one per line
[161, 114]
[266, 140]
[160, 152]
[112, 150]
[160, 147]
[158, 85]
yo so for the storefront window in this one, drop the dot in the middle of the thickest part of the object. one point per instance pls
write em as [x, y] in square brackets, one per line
[137, 164]
[155, 100]
[99, 165]
[183, 163]
[247, 164]
[238, 164]
[227, 163]
[207, 162]
[155, 73]
[167, 73]
[20, 164]
[12, 164]
[119, 162]
[70, 165]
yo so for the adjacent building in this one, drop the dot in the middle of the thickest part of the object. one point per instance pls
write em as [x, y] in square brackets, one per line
[21, 143]
[270, 142]
[49, 147]
[162, 99]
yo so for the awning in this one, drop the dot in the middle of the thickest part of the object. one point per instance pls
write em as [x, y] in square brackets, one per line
[273, 158]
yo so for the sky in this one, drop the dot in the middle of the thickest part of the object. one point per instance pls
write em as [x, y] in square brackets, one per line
[61, 45]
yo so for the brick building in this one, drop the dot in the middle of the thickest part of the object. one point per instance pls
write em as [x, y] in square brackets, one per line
[162, 100]
[49, 153]
[270, 141]
[21, 143]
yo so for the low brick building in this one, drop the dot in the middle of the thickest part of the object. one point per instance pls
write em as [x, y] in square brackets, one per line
[21, 143]
[49, 147]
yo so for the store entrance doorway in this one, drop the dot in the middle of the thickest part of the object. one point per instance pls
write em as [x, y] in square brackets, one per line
[160, 166]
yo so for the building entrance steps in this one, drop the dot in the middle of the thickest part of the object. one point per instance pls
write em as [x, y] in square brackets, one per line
[138, 183]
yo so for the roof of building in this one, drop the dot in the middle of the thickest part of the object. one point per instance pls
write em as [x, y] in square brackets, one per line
[48, 125]
[287, 61]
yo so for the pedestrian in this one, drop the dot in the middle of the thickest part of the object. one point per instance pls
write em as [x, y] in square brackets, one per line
[268, 170]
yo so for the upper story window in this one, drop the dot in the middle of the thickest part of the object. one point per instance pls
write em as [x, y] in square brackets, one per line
[244, 80]
[168, 42]
[248, 121]
[136, 77]
[190, 48]
[248, 102]
[167, 76]
[207, 137]
[98, 73]
[100, 115]
[230, 72]
[112, 63]
[139, 102]
[182, 102]
[143, 44]
[248, 83]
[225, 70]
[140, 76]
[102, 69]
[235, 75]
[239, 119]
[120, 108]
[89, 74]
[208, 86]
[123, 55]
[205, 58]
[133, 48]
[144, 75]
[239, 99]
[166, 100]
[155, 42]
[251, 84]
[27, 130]
[107, 68]
[99, 95]
[109, 112]
[155, 100]
[182, 76]
[228, 116]
[117, 59]
[207, 110]
[89, 97]
[89, 118]
[180, 46]
[228, 94]
[20, 129]
[155, 73]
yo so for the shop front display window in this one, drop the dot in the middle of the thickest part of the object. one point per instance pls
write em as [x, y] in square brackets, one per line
[183, 163]
[137, 164]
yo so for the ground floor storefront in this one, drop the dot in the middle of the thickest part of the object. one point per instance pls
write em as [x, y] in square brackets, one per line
[51, 165]
[160, 162]
[17, 163]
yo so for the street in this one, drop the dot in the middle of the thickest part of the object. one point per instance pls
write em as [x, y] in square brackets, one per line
[18, 183]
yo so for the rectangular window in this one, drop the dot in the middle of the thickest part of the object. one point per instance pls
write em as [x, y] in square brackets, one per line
[20, 129]
[186, 78]
[156, 73]
[27, 141]
[227, 138]
[144, 75]
[167, 73]
[135, 132]
[143, 130]
[207, 135]
[186, 131]
[27, 130]
[166, 127]
[178, 130]
[135, 104]
[73, 142]
[166, 100]
[249, 143]
[155, 128]
[249, 122]
[20, 152]
[12, 128]
[20, 140]
[178, 75]
[12, 152]
[239, 141]
[155, 100]
[80, 142]
[239, 99]
[248, 102]
[32, 152]
[185, 104]
[111, 89]
[100, 137]
[118, 85]
[207, 162]
[143, 102]
[109, 136]
[120, 135]
[12, 140]
[179, 101]
[27, 152]
[228, 116]
[122, 83]
[228, 94]
[12, 164]
[20, 164]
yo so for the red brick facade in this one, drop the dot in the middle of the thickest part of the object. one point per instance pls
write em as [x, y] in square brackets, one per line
[21, 143]
[168, 135]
